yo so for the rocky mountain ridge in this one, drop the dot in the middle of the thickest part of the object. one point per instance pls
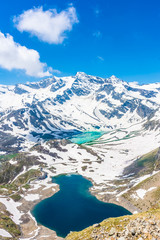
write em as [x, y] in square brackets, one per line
[59, 107]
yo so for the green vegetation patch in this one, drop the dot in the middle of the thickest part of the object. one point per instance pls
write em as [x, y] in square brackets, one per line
[144, 165]
[16, 197]
[9, 171]
[8, 189]
[7, 224]
[26, 186]
[7, 157]
[26, 177]
[148, 159]
[22, 181]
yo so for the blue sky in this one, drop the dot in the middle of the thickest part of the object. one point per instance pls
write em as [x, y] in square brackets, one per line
[98, 37]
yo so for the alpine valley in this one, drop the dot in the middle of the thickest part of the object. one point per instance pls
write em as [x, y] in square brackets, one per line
[104, 129]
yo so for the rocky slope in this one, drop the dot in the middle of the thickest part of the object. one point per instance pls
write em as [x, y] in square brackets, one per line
[136, 227]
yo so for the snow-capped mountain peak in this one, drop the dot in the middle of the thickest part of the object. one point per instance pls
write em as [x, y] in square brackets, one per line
[80, 102]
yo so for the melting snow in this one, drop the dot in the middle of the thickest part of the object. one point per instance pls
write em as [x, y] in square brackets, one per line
[31, 197]
[142, 192]
[4, 233]
[11, 207]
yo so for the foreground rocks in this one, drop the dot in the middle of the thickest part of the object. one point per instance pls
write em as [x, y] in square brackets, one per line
[135, 227]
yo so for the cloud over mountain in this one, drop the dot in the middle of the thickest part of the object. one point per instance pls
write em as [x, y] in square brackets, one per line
[15, 56]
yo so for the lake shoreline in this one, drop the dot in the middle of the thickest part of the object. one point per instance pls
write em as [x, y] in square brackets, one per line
[41, 230]
[122, 202]
[43, 189]
[29, 227]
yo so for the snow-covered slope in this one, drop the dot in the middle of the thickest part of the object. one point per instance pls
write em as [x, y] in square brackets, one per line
[58, 106]
[127, 113]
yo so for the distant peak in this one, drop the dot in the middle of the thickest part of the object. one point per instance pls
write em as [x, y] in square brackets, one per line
[113, 78]
[81, 74]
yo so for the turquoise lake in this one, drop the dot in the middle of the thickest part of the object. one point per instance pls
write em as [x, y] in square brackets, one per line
[73, 208]
[86, 137]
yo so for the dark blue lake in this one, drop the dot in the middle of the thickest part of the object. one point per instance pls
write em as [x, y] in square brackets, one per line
[73, 208]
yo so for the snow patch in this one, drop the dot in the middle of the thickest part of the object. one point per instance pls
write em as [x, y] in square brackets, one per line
[142, 192]
[12, 207]
[32, 197]
[4, 233]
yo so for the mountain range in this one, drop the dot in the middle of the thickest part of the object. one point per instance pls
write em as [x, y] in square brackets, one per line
[40, 126]
[61, 107]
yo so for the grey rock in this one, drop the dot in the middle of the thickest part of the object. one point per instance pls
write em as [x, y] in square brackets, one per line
[112, 231]
[96, 225]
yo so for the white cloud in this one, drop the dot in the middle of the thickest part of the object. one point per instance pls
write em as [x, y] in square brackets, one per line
[97, 34]
[56, 71]
[97, 12]
[15, 56]
[49, 26]
[100, 58]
